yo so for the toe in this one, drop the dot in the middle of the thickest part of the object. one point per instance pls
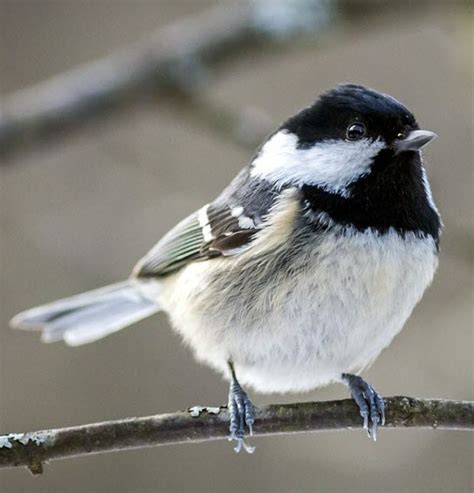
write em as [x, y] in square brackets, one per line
[241, 413]
[249, 414]
[380, 407]
[370, 403]
[374, 414]
[376, 406]
[235, 420]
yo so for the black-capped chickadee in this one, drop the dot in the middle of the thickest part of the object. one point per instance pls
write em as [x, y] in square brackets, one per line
[301, 271]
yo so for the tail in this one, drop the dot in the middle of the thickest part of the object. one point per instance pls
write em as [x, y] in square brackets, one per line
[90, 316]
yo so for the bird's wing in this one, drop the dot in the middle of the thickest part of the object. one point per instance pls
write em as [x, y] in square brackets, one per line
[230, 225]
[207, 233]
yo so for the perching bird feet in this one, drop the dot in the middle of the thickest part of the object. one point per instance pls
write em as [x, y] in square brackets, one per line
[241, 413]
[371, 404]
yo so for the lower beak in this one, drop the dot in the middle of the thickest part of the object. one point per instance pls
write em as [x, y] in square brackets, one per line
[414, 141]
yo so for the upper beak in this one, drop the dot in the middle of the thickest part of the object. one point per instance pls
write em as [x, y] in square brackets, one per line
[414, 141]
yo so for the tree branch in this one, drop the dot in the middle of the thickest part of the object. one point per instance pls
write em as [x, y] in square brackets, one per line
[174, 58]
[200, 424]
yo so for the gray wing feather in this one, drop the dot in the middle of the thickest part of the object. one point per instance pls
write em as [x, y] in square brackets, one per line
[227, 226]
[178, 246]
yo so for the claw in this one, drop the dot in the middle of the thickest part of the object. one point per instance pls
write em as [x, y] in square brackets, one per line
[250, 426]
[381, 408]
[370, 403]
[365, 425]
[373, 431]
[250, 449]
[238, 447]
[241, 413]
[241, 443]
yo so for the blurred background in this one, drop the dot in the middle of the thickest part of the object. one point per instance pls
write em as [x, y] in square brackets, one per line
[90, 189]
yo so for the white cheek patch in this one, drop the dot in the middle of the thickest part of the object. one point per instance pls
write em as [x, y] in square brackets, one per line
[331, 164]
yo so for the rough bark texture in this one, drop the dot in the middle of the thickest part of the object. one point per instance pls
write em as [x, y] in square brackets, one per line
[200, 424]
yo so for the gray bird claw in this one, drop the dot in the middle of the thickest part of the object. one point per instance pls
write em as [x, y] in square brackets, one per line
[370, 403]
[241, 414]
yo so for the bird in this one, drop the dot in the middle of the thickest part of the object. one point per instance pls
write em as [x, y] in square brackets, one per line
[300, 272]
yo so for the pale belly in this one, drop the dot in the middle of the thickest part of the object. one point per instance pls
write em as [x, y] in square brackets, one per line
[297, 327]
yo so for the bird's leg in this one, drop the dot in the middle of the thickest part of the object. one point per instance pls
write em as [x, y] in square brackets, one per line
[241, 413]
[371, 404]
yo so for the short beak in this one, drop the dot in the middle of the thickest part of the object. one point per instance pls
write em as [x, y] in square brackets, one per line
[414, 141]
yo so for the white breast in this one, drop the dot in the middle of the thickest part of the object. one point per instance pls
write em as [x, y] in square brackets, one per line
[333, 310]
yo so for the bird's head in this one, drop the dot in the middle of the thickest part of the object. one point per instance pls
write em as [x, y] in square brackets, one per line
[349, 133]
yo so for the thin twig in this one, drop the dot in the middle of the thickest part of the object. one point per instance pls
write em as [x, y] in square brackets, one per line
[205, 424]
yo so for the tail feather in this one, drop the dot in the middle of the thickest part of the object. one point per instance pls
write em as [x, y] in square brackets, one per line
[90, 316]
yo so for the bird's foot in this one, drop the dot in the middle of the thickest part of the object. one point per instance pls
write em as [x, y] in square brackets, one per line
[241, 412]
[371, 404]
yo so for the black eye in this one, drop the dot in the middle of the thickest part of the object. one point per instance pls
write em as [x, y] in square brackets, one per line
[356, 131]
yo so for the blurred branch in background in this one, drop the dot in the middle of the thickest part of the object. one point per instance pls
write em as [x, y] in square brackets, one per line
[174, 60]
[200, 424]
